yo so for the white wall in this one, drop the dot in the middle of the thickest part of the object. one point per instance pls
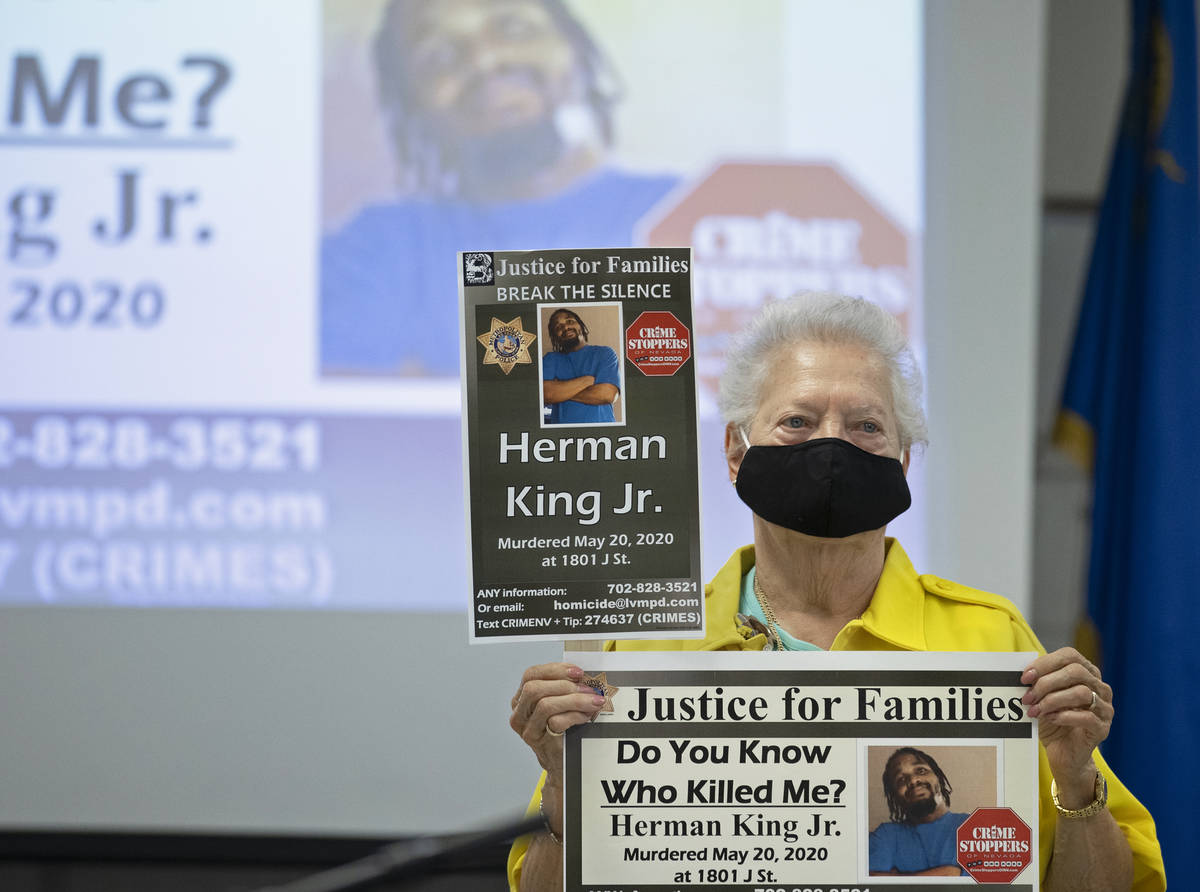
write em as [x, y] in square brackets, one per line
[984, 72]
[1087, 64]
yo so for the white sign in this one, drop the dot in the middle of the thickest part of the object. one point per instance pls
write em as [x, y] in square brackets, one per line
[747, 771]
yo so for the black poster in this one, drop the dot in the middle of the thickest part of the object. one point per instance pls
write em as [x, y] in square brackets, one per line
[580, 444]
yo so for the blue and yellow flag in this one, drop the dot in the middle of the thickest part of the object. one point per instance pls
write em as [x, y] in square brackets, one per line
[1131, 413]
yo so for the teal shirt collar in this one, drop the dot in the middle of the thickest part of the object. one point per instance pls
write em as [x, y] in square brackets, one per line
[748, 605]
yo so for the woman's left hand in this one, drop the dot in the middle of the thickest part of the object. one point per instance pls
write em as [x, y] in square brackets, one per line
[1074, 710]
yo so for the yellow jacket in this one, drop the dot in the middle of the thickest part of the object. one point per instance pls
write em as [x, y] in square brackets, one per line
[920, 613]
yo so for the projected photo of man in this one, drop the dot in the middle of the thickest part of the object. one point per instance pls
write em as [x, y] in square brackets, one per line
[499, 117]
[581, 381]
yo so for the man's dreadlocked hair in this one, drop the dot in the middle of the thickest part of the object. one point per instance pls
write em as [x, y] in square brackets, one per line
[555, 342]
[896, 807]
[419, 156]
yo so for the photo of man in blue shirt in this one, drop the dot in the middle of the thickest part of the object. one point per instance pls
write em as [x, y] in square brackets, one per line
[920, 838]
[500, 120]
[580, 381]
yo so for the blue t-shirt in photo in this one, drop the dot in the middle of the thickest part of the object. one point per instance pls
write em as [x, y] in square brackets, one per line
[912, 847]
[591, 359]
[389, 277]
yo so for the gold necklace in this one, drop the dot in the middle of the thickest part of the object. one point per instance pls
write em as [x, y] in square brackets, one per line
[772, 622]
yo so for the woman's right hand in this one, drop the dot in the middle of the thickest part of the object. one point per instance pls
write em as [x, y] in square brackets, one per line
[549, 700]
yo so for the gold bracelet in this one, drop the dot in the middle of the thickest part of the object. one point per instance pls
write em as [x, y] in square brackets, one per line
[546, 821]
[1094, 807]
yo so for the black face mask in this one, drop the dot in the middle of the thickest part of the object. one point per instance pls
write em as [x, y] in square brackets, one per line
[826, 487]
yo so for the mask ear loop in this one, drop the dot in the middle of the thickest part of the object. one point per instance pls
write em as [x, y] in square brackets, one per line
[745, 440]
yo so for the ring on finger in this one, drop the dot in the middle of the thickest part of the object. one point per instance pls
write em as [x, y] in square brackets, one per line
[551, 731]
[1092, 705]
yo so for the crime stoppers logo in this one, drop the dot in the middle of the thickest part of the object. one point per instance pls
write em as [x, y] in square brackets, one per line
[994, 845]
[658, 343]
[478, 268]
[507, 344]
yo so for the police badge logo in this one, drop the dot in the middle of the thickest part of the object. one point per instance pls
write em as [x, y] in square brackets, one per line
[477, 268]
[507, 344]
[599, 684]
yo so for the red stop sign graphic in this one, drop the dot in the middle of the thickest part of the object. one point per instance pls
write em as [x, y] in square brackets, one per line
[658, 343]
[994, 845]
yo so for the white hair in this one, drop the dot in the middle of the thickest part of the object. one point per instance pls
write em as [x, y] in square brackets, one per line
[819, 317]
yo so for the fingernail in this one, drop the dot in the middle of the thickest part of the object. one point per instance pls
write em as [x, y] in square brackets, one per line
[574, 672]
[597, 699]
[584, 689]
[1029, 677]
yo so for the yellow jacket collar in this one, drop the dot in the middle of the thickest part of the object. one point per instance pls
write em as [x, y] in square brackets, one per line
[895, 615]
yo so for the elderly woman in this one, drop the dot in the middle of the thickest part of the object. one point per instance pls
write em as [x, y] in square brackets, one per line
[821, 399]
